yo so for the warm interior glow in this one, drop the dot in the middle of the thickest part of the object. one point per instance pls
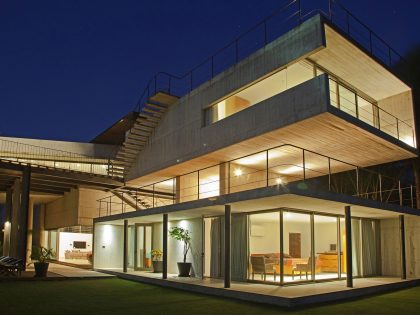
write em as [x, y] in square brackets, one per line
[238, 172]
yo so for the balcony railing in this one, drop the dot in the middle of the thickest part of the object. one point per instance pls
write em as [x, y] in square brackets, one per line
[353, 104]
[24, 153]
[288, 16]
[279, 166]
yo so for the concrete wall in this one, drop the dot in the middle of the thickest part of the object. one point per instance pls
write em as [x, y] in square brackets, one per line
[89, 149]
[77, 207]
[180, 134]
[63, 211]
[390, 247]
[412, 244]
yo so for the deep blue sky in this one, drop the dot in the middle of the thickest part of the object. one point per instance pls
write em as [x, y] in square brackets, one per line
[69, 69]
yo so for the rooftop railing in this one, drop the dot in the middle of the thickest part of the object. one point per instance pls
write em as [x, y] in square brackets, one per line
[279, 166]
[24, 153]
[288, 16]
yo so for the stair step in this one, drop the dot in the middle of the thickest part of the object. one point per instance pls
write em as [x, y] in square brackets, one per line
[145, 123]
[157, 106]
[149, 117]
[163, 98]
[154, 113]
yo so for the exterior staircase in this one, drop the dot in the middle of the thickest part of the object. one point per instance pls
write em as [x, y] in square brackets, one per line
[137, 137]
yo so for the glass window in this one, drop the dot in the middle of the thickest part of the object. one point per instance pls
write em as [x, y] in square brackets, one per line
[347, 100]
[297, 261]
[264, 247]
[333, 93]
[287, 78]
[326, 248]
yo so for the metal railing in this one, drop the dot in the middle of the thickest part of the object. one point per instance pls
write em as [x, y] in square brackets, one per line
[24, 153]
[370, 113]
[288, 16]
[281, 165]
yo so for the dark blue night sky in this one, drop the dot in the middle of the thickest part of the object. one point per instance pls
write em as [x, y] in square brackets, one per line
[69, 69]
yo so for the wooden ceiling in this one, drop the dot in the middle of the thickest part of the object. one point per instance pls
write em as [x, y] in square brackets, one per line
[325, 134]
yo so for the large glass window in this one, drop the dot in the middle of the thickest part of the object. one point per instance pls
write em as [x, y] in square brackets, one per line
[287, 78]
[264, 247]
[326, 247]
[297, 262]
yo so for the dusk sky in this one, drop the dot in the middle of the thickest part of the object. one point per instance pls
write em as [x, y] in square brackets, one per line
[69, 69]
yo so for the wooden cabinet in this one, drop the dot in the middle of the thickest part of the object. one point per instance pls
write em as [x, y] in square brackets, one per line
[329, 262]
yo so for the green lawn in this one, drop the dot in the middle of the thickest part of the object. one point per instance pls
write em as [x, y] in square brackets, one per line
[115, 296]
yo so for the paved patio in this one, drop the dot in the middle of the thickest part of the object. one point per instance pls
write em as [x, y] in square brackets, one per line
[290, 296]
[59, 272]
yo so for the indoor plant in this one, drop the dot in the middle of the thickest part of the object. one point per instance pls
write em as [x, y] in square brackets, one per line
[182, 235]
[42, 256]
[156, 260]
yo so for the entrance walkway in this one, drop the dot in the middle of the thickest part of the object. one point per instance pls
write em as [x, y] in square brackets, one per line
[290, 296]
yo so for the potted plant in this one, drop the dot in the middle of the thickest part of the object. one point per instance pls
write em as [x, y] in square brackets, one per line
[182, 235]
[156, 260]
[90, 258]
[42, 256]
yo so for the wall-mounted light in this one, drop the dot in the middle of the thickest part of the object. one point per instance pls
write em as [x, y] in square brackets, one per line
[279, 181]
[238, 172]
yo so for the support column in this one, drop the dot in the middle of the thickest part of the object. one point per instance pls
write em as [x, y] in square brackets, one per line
[29, 233]
[403, 256]
[7, 223]
[223, 178]
[23, 216]
[165, 246]
[125, 246]
[177, 189]
[349, 258]
[228, 214]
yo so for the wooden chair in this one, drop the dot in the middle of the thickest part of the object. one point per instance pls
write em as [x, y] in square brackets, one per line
[260, 266]
[302, 268]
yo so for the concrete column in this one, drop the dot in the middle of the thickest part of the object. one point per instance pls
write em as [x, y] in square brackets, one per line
[29, 232]
[15, 217]
[228, 216]
[177, 189]
[349, 258]
[223, 178]
[403, 255]
[7, 223]
[23, 216]
[125, 246]
[165, 246]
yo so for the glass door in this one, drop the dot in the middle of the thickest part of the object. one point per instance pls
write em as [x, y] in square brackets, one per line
[143, 247]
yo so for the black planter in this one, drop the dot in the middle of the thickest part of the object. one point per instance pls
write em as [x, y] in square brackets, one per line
[157, 266]
[41, 269]
[184, 269]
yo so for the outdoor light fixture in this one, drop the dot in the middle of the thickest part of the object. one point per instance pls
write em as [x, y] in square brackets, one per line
[279, 181]
[238, 172]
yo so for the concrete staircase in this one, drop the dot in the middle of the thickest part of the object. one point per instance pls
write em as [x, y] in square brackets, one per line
[137, 137]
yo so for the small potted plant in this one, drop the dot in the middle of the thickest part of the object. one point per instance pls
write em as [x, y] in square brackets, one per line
[182, 235]
[90, 258]
[42, 256]
[156, 260]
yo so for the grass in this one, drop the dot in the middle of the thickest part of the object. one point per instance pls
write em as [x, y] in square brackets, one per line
[116, 296]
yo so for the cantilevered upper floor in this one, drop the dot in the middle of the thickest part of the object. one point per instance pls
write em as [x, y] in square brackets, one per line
[312, 87]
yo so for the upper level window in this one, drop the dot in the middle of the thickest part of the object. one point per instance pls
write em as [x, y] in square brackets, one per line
[282, 80]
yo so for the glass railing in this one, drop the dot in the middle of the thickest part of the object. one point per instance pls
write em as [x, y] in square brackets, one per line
[279, 166]
[353, 104]
[24, 153]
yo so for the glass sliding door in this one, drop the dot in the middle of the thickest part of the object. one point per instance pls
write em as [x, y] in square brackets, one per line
[326, 247]
[297, 247]
[264, 247]
[143, 247]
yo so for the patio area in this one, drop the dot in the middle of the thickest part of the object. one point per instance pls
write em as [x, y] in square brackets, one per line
[289, 296]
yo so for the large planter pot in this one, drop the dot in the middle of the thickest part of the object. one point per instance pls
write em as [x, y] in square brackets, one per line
[157, 266]
[41, 269]
[184, 269]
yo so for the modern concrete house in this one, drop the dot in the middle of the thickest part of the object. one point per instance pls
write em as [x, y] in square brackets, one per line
[268, 161]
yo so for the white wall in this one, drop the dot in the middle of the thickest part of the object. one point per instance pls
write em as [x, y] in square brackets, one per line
[108, 246]
[66, 240]
[390, 247]
[268, 239]
[412, 245]
[325, 234]
[175, 248]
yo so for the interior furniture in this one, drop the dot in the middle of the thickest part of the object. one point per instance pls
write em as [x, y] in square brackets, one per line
[76, 254]
[260, 265]
[302, 268]
[329, 262]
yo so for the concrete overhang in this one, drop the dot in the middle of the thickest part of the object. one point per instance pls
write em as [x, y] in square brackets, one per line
[292, 197]
[348, 60]
[301, 116]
